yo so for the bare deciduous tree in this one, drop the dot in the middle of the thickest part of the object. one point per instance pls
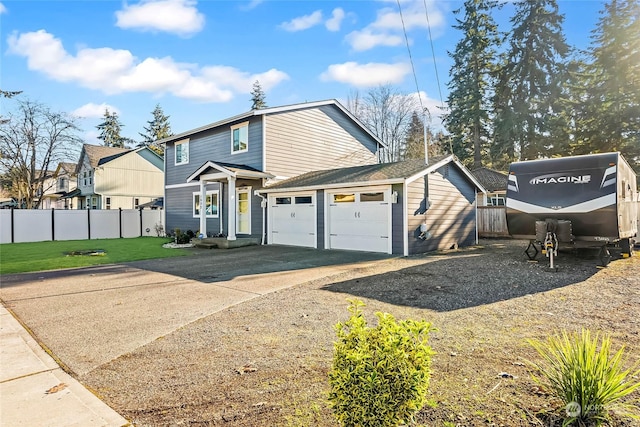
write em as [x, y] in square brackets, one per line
[33, 140]
[387, 113]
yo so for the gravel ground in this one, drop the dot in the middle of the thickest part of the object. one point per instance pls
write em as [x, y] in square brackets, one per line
[264, 362]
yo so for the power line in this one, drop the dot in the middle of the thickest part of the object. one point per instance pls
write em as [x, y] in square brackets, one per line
[413, 69]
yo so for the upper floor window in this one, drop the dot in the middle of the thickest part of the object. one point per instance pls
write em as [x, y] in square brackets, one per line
[182, 152]
[63, 184]
[87, 178]
[240, 138]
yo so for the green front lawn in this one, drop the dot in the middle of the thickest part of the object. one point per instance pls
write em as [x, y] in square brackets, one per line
[39, 256]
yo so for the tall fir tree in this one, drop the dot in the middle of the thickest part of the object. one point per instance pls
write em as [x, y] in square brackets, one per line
[527, 89]
[468, 120]
[611, 119]
[258, 97]
[110, 130]
[158, 128]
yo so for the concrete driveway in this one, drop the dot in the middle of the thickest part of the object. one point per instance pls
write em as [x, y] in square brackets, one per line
[89, 316]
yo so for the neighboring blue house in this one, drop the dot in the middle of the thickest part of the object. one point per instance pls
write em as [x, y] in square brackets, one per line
[308, 175]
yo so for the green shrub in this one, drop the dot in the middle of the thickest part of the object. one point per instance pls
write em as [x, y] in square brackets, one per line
[380, 375]
[581, 372]
[180, 237]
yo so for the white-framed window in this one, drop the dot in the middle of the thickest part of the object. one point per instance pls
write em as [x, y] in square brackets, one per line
[85, 178]
[210, 204]
[90, 177]
[107, 202]
[496, 201]
[136, 202]
[182, 152]
[94, 202]
[240, 138]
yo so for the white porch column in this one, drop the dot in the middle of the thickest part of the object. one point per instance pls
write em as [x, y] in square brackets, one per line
[231, 235]
[203, 206]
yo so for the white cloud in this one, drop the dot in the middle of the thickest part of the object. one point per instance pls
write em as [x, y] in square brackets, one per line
[303, 22]
[3, 9]
[333, 23]
[113, 71]
[252, 5]
[92, 111]
[387, 29]
[365, 40]
[172, 16]
[366, 75]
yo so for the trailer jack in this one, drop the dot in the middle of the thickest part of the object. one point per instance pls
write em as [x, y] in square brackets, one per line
[604, 255]
[550, 248]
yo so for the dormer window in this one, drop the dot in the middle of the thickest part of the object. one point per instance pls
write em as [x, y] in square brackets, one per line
[240, 138]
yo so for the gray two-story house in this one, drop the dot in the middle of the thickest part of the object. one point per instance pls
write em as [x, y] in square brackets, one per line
[308, 175]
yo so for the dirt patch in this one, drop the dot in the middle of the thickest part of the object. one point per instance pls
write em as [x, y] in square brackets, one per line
[264, 362]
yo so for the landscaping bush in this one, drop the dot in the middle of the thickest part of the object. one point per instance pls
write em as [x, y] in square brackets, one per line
[380, 375]
[181, 238]
[581, 372]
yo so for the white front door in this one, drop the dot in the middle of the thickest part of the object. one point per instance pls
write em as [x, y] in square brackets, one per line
[359, 219]
[243, 210]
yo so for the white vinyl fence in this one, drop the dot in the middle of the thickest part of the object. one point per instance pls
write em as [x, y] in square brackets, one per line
[37, 225]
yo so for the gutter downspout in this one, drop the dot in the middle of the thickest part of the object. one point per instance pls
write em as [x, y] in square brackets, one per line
[264, 204]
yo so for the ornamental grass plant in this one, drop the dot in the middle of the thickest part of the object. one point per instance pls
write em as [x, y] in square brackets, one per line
[590, 380]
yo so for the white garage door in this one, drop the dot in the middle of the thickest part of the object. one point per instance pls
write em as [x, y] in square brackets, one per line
[359, 220]
[292, 220]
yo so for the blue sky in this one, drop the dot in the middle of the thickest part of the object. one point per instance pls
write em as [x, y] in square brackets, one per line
[199, 59]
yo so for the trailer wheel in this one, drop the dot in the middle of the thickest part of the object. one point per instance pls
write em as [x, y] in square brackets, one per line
[627, 247]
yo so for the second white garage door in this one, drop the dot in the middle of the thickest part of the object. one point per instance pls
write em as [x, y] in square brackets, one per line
[359, 220]
[292, 220]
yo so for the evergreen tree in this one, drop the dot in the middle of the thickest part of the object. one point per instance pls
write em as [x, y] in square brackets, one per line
[468, 120]
[258, 98]
[110, 131]
[610, 120]
[158, 128]
[528, 90]
[415, 140]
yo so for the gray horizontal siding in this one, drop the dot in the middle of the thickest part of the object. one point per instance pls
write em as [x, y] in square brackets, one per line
[320, 215]
[179, 210]
[311, 139]
[397, 223]
[451, 217]
[215, 145]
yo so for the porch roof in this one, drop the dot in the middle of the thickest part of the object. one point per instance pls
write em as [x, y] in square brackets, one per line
[216, 171]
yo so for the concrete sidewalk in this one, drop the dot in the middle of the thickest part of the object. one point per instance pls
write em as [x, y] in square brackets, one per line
[35, 391]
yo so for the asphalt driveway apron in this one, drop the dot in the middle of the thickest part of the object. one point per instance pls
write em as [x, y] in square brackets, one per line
[89, 316]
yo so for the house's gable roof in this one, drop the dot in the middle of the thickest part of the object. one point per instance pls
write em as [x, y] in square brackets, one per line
[378, 174]
[273, 110]
[491, 179]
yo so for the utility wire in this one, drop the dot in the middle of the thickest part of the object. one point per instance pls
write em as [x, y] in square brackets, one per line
[415, 77]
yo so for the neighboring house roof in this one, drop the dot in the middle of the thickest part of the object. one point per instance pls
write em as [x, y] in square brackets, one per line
[155, 203]
[382, 173]
[273, 110]
[97, 152]
[491, 179]
[67, 168]
[71, 194]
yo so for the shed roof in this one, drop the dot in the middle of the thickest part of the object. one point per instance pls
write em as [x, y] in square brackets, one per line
[491, 179]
